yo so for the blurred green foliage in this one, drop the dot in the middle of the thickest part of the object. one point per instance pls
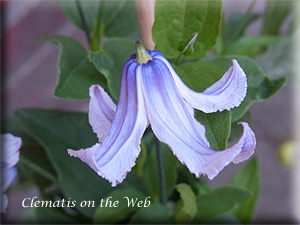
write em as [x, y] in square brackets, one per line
[185, 31]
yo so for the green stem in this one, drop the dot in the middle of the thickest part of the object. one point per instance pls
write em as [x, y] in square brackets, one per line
[99, 29]
[85, 27]
[161, 173]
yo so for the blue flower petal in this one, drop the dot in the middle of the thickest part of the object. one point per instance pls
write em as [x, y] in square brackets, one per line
[174, 125]
[118, 153]
[102, 111]
[9, 175]
[225, 94]
[10, 153]
[9, 158]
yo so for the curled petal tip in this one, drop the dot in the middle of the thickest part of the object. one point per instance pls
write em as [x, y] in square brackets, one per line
[240, 152]
[234, 61]
[225, 94]
[92, 87]
[249, 144]
[86, 155]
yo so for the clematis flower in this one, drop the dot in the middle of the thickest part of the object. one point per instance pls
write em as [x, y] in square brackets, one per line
[152, 93]
[10, 146]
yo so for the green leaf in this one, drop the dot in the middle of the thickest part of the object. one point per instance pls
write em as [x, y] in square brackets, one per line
[115, 16]
[217, 128]
[89, 11]
[177, 21]
[110, 61]
[133, 180]
[233, 24]
[247, 177]
[275, 15]
[181, 217]
[39, 166]
[199, 76]
[199, 185]
[278, 60]
[79, 81]
[188, 198]
[251, 46]
[237, 130]
[219, 201]
[119, 18]
[107, 213]
[48, 215]
[151, 177]
[58, 131]
[154, 214]
[260, 87]
[77, 74]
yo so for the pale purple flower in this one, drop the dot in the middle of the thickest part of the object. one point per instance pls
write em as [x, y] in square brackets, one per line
[10, 146]
[152, 93]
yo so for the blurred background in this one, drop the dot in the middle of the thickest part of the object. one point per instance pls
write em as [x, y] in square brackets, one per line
[29, 75]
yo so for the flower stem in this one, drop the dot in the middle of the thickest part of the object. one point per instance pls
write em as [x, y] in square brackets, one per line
[98, 32]
[161, 173]
[142, 56]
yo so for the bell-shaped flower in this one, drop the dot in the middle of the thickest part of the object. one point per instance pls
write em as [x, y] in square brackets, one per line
[10, 146]
[152, 93]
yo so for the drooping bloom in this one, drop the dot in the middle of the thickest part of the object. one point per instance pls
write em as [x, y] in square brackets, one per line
[152, 93]
[10, 146]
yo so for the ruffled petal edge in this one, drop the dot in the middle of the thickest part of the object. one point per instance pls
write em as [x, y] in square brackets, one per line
[225, 94]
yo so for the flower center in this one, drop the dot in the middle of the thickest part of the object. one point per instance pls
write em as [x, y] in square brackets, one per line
[142, 57]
